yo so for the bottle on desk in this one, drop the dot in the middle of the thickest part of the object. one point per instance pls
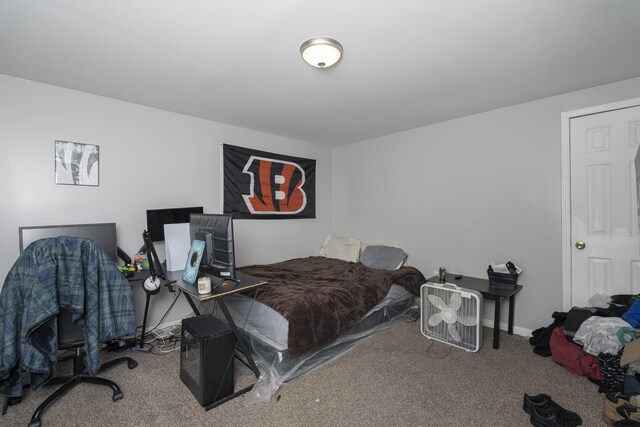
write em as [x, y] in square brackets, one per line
[442, 275]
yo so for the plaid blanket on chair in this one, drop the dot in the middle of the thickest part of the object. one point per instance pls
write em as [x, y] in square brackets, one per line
[68, 272]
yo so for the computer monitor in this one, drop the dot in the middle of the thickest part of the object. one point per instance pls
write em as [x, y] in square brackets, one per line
[103, 234]
[157, 218]
[216, 230]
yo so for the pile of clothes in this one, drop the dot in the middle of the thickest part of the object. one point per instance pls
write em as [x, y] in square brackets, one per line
[602, 343]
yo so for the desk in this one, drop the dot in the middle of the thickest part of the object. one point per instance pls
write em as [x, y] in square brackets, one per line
[489, 292]
[138, 276]
[190, 292]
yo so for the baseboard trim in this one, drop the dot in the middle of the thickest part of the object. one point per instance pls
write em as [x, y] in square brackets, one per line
[169, 324]
[160, 327]
[517, 330]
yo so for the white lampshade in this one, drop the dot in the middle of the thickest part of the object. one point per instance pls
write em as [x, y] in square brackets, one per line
[321, 53]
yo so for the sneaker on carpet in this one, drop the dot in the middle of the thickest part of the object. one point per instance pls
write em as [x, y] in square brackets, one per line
[611, 403]
[629, 411]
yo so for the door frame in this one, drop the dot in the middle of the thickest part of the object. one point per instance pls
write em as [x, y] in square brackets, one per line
[565, 118]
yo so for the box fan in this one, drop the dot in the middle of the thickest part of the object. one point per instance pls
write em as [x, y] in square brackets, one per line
[451, 314]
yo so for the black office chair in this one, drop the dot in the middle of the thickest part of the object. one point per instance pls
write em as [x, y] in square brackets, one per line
[71, 336]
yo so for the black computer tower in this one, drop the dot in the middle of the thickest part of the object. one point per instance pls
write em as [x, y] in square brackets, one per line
[206, 358]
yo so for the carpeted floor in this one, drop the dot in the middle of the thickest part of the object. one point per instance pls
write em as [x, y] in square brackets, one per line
[396, 377]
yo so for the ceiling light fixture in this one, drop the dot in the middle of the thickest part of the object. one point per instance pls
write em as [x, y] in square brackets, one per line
[321, 52]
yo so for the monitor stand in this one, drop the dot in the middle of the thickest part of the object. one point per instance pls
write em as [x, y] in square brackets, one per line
[214, 274]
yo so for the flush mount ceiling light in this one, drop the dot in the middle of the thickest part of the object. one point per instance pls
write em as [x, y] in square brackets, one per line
[321, 52]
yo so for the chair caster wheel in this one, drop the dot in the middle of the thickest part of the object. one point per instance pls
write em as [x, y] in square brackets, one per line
[13, 400]
[117, 396]
[35, 423]
[132, 364]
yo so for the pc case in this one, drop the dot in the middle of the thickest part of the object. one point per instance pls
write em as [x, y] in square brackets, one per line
[206, 358]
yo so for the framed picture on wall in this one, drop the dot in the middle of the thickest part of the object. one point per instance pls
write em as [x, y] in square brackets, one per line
[77, 164]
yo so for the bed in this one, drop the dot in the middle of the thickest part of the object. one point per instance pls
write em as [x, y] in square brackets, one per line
[314, 309]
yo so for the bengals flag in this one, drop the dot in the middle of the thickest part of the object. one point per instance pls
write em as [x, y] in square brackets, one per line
[262, 185]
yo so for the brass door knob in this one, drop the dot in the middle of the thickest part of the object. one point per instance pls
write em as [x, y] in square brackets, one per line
[580, 245]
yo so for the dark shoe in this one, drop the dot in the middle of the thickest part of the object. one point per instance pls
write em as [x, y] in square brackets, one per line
[545, 401]
[611, 403]
[629, 412]
[548, 417]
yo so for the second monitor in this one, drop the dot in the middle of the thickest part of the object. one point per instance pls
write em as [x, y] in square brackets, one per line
[216, 230]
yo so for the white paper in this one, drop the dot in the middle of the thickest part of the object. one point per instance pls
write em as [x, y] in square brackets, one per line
[177, 244]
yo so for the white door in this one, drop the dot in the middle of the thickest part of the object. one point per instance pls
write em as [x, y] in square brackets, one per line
[605, 246]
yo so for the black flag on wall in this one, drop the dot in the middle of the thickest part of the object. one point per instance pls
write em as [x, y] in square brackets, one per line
[262, 185]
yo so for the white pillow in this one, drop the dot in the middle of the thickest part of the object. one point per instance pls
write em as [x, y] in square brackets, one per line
[344, 248]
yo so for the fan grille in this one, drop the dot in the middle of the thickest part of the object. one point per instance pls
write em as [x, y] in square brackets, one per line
[470, 335]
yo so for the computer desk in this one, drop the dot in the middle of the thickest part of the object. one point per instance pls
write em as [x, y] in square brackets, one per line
[190, 291]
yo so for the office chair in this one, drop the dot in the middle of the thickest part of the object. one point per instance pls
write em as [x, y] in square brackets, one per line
[55, 267]
[71, 336]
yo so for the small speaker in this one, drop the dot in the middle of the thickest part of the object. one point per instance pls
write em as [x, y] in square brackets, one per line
[206, 358]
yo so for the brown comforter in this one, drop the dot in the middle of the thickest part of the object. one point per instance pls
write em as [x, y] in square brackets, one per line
[322, 297]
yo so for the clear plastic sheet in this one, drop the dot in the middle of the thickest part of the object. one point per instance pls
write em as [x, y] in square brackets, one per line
[277, 367]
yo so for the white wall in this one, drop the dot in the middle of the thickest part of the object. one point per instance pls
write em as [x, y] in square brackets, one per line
[458, 194]
[470, 191]
[148, 159]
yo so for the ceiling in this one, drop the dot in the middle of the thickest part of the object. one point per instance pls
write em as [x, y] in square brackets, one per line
[406, 63]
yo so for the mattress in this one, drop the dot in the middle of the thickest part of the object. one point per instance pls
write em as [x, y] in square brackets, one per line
[259, 319]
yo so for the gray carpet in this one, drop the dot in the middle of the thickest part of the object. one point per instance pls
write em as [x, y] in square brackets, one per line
[396, 377]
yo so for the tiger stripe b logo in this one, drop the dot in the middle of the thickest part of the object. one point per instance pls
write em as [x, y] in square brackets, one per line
[276, 186]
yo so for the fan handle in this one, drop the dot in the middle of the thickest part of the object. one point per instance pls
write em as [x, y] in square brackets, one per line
[448, 285]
